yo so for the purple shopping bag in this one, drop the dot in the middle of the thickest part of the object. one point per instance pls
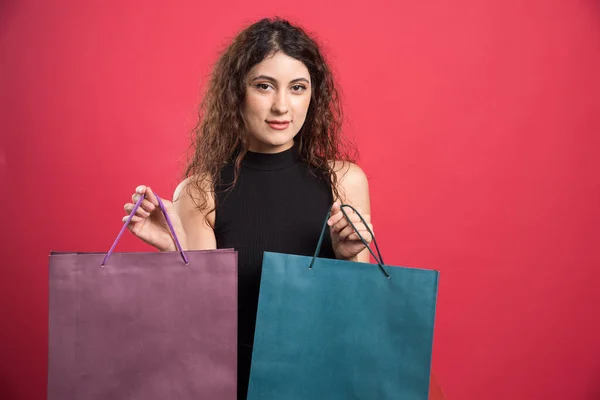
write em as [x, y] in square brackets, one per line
[143, 325]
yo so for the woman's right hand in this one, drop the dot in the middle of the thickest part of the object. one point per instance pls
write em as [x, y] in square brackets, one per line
[149, 223]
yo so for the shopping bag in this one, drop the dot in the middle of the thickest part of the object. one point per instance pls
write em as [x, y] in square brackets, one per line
[155, 325]
[334, 329]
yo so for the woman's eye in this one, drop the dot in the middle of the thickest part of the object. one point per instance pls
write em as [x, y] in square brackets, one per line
[263, 86]
[298, 88]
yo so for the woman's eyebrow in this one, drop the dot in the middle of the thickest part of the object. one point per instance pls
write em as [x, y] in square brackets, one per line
[273, 80]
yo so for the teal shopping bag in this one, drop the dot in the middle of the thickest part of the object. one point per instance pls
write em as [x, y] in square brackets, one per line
[333, 329]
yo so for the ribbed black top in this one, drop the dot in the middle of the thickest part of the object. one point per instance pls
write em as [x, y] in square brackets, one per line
[276, 205]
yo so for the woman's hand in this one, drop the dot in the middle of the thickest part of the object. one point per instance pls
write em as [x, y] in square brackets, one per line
[149, 223]
[346, 242]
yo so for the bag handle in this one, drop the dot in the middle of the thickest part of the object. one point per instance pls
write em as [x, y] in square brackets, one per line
[379, 259]
[164, 211]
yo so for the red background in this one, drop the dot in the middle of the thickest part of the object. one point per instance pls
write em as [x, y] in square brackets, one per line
[478, 124]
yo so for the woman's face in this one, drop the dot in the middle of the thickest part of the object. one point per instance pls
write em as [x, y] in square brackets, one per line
[278, 93]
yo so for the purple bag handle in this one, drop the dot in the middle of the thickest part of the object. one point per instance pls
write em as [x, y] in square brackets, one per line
[135, 207]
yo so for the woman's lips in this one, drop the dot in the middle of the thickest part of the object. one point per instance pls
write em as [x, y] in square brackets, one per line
[278, 125]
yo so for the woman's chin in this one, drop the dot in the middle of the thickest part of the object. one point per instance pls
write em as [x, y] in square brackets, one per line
[271, 145]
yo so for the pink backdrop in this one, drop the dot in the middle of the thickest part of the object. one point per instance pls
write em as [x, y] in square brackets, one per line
[478, 124]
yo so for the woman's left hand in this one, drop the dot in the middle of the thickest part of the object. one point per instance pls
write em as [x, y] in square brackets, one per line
[346, 242]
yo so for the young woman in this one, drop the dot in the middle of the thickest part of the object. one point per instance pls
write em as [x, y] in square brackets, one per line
[268, 163]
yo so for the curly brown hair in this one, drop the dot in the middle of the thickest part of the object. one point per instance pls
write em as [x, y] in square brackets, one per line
[220, 135]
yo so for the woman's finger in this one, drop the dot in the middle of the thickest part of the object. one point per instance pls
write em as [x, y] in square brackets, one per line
[336, 214]
[139, 191]
[147, 191]
[150, 196]
[335, 218]
[140, 212]
[339, 226]
[146, 203]
[350, 233]
[349, 230]
[134, 219]
[343, 223]
[365, 234]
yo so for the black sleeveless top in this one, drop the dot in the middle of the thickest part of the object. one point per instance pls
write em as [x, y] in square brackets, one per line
[277, 205]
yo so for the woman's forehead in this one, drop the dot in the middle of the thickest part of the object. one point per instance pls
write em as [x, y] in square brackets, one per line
[281, 68]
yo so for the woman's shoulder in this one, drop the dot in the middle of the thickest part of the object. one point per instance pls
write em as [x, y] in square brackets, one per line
[348, 172]
[194, 193]
[351, 179]
[190, 187]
